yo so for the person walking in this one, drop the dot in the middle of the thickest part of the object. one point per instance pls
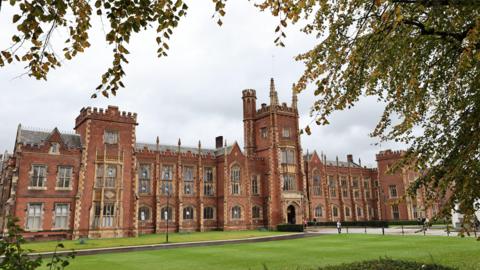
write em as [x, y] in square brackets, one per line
[339, 227]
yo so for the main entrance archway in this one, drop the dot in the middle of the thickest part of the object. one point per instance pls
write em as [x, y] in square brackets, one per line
[291, 219]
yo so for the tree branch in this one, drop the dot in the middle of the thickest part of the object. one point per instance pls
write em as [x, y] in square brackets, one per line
[431, 3]
[424, 31]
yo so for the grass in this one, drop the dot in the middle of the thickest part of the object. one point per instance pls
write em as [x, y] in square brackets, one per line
[306, 253]
[149, 239]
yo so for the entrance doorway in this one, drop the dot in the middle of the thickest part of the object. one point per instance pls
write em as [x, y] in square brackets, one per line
[291, 214]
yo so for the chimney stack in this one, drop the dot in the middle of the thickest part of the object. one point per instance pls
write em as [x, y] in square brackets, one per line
[350, 158]
[219, 142]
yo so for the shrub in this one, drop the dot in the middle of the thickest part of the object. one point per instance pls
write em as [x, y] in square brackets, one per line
[386, 264]
[15, 257]
[290, 228]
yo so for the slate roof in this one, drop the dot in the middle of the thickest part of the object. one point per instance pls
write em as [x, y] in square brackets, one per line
[334, 162]
[183, 149]
[26, 136]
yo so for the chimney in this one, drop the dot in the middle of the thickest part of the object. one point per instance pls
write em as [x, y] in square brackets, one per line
[219, 142]
[350, 158]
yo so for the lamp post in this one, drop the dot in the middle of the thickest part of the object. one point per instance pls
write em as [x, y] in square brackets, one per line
[166, 211]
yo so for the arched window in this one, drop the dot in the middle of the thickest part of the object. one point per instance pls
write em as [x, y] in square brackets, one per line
[359, 211]
[144, 213]
[208, 213]
[236, 212]
[235, 179]
[335, 211]
[288, 182]
[318, 211]
[347, 211]
[144, 178]
[188, 212]
[256, 212]
[188, 180]
[166, 212]
[317, 188]
[255, 185]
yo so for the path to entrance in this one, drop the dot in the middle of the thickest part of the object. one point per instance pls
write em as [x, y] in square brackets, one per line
[178, 245]
[387, 231]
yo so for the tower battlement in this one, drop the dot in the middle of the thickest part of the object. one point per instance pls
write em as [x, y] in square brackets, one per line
[389, 154]
[249, 93]
[110, 114]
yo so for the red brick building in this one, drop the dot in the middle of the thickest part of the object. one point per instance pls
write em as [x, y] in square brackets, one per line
[101, 182]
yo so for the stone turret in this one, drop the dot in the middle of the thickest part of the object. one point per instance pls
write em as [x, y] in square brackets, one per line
[273, 93]
[249, 112]
[294, 97]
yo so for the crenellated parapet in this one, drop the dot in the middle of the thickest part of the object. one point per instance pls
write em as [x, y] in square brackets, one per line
[279, 109]
[112, 114]
[389, 154]
[249, 93]
[170, 151]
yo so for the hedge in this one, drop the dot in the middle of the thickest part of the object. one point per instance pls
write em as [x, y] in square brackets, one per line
[371, 223]
[386, 264]
[290, 228]
[404, 222]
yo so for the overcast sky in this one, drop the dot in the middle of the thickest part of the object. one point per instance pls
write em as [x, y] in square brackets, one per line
[193, 94]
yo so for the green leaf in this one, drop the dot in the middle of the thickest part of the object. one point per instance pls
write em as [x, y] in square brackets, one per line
[16, 17]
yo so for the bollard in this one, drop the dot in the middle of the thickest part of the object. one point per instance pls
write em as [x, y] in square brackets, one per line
[403, 232]
[365, 229]
[424, 229]
[383, 230]
[448, 230]
[347, 229]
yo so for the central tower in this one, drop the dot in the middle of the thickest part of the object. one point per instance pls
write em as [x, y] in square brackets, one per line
[272, 133]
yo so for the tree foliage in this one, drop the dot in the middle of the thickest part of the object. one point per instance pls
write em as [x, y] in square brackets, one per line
[421, 58]
[17, 258]
[37, 20]
[418, 57]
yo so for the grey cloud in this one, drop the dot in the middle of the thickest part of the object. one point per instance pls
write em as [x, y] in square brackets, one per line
[194, 93]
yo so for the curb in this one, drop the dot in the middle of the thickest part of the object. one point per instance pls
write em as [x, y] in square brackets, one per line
[84, 252]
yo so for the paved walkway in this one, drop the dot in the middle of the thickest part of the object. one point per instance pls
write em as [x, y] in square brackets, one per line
[387, 231]
[177, 245]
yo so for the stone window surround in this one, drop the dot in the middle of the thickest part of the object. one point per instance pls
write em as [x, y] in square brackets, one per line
[338, 211]
[54, 148]
[192, 213]
[30, 175]
[317, 189]
[70, 187]
[234, 180]
[316, 212]
[240, 214]
[190, 182]
[54, 225]
[149, 208]
[260, 211]
[214, 212]
[115, 138]
[149, 178]
[167, 180]
[42, 214]
[162, 213]
[257, 179]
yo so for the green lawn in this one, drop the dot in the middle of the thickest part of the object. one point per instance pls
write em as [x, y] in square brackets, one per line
[295, 254]
[149, 239]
